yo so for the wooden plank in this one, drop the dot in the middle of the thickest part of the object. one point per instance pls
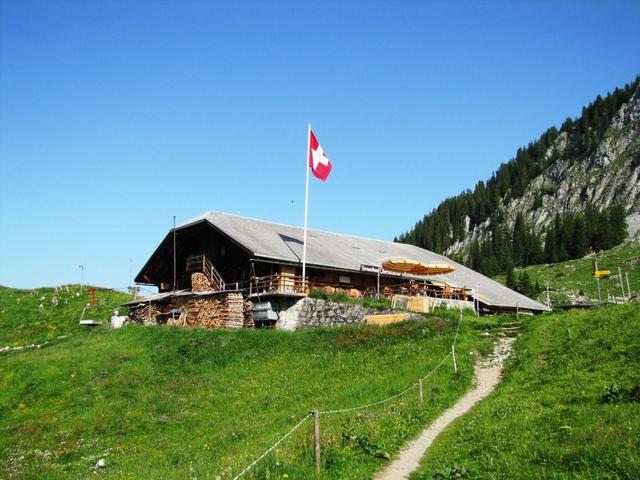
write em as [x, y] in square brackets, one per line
[386, 319]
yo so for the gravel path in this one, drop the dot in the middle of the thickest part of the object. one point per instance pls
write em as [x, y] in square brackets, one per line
[487, 376]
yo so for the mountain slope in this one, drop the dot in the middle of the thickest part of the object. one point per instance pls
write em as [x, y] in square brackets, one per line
[572, 282]
[593, 160]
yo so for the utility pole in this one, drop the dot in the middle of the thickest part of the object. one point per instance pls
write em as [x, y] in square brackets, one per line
[81, 276]
[174, 253]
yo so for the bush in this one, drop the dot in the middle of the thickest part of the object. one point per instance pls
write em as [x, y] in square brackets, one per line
[613, 393]
[379, 303]
[318, 295]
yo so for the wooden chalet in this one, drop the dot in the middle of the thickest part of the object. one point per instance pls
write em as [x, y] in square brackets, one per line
[264, 259]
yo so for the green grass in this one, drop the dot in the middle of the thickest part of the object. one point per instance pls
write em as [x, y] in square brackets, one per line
[378, 303]
[164, 402]
[575, 277]
[43, 314]
[567, 408]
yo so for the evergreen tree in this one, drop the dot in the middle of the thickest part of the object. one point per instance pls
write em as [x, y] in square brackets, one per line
[519, 240]
[524, 284]
[511, 280]
[488, 263]
[474, 256]
[618, 224]
[533, 252]
[579, 244]
[551, 246]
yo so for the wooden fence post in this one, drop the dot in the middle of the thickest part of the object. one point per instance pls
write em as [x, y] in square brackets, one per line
[316, 438]
[621, 284]
[421, 393]
[455, 365]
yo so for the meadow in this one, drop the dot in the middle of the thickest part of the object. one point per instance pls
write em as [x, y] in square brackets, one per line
[568, 406]
[574, 278]
[164, 402]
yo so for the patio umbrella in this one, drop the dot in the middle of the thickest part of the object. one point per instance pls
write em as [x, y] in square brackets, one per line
[415, 267]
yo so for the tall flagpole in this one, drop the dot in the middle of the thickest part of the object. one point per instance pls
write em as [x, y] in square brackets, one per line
[306, 207]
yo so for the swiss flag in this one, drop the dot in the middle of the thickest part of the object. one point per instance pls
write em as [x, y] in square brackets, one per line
[318, 161]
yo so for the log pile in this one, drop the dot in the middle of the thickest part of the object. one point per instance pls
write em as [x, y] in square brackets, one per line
[200, 283]
[180, 321]
[226, 311]
[145, 315]
[233, 310]
[219, 310]
[203, 312]
[248, 314]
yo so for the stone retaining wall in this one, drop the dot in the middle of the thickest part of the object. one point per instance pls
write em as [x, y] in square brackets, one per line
[310, 312]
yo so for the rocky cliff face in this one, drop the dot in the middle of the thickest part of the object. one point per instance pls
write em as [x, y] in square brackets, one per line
[610, 174]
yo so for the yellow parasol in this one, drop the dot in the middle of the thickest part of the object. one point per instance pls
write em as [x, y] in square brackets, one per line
[415, 267]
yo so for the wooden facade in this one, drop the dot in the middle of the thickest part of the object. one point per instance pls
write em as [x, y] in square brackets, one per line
[202, 247]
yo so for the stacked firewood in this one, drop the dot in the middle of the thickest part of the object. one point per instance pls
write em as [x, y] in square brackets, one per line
[202, 312]
[233, 310]
[145, 315]
[200, 283]
[207, 311]
[248, 314]
[180, 321]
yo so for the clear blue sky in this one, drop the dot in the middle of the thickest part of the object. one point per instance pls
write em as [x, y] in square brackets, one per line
[117, 115]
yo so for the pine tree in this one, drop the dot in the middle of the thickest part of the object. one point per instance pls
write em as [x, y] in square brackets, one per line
[579, 244]
[551, 246]
[488, 263]
[474, 256]
[519, 240]
[524, 284]
[511, 280]
[533, 253]
[618, 224]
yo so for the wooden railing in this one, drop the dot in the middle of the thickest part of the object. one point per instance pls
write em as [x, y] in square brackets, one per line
[200, 263]
[428, 290]
[286, 283]
[277, 283]
[387, 291]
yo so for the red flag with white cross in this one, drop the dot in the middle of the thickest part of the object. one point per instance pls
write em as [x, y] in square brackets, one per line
[318, 160]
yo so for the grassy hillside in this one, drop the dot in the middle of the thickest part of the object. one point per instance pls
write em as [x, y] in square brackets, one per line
[574, 278]
[568, 406]
[163, 402]
[43, 314]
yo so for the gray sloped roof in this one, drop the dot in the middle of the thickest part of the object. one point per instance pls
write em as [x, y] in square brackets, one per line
[275, 241]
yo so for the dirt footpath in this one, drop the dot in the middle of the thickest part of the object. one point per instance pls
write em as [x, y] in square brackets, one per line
[487, 376]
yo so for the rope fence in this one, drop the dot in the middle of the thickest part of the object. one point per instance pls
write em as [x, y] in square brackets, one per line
[380, 402]
[316, 414]
[253, 464]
